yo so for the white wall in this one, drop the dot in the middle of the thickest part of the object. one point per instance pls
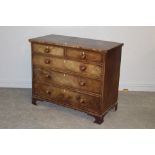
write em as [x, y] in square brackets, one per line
[138, 59]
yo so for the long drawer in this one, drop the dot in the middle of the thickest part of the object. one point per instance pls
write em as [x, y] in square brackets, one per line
[67, 80]
[88, 70]
[65, 96]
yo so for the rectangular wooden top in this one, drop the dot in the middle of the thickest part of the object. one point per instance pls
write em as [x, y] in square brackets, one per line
[76, 42]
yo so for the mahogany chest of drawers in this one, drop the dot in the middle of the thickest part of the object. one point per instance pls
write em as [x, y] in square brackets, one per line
[78, 73]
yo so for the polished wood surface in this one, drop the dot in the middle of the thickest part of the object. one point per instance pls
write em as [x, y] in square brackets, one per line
[78, 100]
[76, 42]
[67, 80]
[88, 70]
[78, 73]
[84, 55]
[51, 50]
[112, 73]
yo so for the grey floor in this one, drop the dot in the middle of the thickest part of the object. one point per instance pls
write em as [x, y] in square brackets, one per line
[136, 110]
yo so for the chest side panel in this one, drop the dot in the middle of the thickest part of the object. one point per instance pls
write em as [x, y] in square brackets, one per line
[111, 79]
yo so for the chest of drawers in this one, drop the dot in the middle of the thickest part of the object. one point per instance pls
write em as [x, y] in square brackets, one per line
[82, 74]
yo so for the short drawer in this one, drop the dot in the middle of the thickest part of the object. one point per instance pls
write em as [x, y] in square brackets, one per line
[64, 96]
[48, 49]
[88, 70]
[67, 80]
[84, 55]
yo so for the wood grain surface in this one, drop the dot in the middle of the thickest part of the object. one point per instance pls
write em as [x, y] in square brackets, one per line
[78, 73]
[76, 42]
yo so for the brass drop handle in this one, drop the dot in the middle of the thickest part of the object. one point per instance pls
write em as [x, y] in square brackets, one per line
[83, 55]
[82, 100]
[82, 83]
[83, 68]
[48, 92]
[47, 61]
[47, 50]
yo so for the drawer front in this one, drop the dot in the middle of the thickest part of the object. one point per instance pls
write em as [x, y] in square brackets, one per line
[89, 70]
[67, 80]
[48, 49]
[84, 55]
[64, 96]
